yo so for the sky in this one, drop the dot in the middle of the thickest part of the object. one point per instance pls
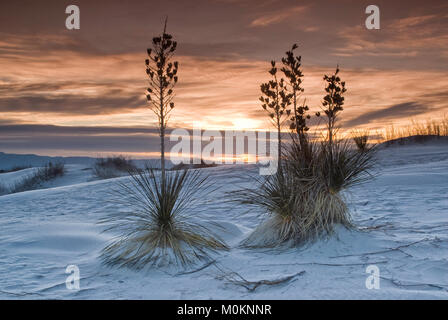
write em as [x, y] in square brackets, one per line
[82, 92]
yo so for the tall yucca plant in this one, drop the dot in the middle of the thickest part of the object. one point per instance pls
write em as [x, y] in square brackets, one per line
[159, 229]
[294, 78]
[275, 101]
[162, 77]
[304, 199]
[333, 102]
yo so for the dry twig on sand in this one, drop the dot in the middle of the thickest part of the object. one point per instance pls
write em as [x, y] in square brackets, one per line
[385, 250]
[236, 279]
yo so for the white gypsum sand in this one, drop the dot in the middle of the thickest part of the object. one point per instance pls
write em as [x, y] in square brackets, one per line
[402, 217]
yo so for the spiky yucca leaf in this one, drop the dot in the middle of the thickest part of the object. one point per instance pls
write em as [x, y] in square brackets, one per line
[159, 229]
[276, 196]
[340, 166]
[297, 210]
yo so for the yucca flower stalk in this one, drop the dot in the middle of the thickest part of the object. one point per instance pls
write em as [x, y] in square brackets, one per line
[275, 100]
[162, 78]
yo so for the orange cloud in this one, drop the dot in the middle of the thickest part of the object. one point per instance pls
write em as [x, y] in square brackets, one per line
[404, 37]
[224, 93]
[277, 16]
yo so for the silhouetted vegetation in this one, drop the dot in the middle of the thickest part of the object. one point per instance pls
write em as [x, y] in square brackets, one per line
[183, 166]
[361, 139]
[275, 100]
[112, 167]
[418, 131]
[333, 103]
[36, 180]
[294, 76]
[304, 198]
[162, 78]
[3, 190]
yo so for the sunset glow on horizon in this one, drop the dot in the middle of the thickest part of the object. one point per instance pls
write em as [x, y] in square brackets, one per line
[75, 80]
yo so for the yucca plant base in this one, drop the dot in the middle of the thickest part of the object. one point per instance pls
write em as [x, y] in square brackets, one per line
[305, 198]
[159, 248]
[316, 216]
[159, 230]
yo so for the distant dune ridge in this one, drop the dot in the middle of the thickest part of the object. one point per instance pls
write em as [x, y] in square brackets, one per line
[11, 160]
[418, 139]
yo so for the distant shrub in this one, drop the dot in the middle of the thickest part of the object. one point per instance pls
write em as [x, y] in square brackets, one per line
[34, 181]
[183, 166]
[361, 139]
[420, 131]
[52, 170]
[112, 167]
[3, 190]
